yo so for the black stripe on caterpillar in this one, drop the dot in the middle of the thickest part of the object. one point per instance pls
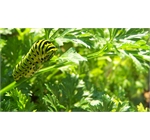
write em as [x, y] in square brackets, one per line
[41, 51]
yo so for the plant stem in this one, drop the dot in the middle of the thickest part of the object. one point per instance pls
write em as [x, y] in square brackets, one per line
[10, 86]
[7, 88]
[14, 84]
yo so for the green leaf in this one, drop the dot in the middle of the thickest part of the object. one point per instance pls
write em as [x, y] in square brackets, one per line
[141, 108]
[72, 56]
[137, 63]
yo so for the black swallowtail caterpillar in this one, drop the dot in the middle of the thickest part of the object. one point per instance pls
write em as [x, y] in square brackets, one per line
[41, 51]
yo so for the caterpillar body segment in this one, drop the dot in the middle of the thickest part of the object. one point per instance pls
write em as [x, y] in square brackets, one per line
[40, 52]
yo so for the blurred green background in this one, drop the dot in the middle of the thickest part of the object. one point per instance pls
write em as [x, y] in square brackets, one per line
[94, 70]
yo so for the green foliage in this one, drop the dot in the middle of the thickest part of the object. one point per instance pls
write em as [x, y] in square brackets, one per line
[94, 69]
[140, 108]
[16, 101]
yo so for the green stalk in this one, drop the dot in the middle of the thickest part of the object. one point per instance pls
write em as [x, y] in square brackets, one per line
[11, 86]
[98, 54]
[47, 69]
[7, 88]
